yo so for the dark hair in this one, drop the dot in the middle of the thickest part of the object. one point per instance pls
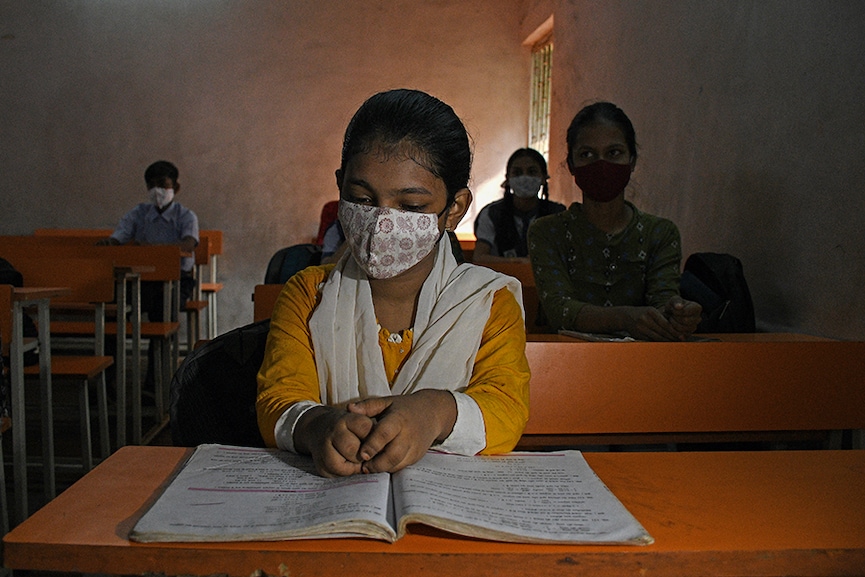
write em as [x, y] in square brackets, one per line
[601, 112]
[538, 158]
[431, 127]
[159, 170]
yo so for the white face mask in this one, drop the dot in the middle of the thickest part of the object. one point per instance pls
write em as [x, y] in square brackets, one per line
[161, 197]
[525, 186]
[385, 241]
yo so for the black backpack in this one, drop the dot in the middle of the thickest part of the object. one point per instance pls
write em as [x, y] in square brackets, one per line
[287, 261]
[717, 282]
[213, 392]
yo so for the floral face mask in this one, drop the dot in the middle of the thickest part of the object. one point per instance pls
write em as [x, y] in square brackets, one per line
[386, 241]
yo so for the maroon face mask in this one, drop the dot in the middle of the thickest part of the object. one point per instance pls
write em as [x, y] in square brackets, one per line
[602, 181]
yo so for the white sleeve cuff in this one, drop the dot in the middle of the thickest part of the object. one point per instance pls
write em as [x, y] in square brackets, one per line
[284, 429]
[469, 435]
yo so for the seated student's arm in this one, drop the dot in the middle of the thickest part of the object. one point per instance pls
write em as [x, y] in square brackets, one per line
[288, 388]
[288, 374]
[188, 223]
[500, 379]
[489, 417]
[667, 321]
[125, 230]
[662, 283]
[188, 244]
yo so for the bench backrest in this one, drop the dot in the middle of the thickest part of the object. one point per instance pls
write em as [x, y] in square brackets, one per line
[5, 315]
[522, 271]
[164, 260]
[214, 239]
[587, 388]
[264, 297]
[209, 241]
[90, 233]
[90, 277]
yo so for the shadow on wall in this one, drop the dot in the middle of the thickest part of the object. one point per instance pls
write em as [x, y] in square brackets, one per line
[757, 227]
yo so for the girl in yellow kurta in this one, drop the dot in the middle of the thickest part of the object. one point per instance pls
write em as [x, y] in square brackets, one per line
[396, 348]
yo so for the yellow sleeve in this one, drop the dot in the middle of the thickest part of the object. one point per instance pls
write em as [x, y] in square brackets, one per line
[288, 372]
[500, 380]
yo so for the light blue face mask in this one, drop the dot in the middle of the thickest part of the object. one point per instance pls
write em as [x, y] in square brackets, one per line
[525, 185]
[161, 197]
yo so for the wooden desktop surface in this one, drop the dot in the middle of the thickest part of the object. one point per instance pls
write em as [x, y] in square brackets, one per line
[711, 513]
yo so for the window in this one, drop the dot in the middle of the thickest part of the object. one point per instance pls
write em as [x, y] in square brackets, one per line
[539, 105]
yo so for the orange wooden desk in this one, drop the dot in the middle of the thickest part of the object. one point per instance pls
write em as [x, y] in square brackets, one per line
[762, 382]
[19, 298]
[713, 513]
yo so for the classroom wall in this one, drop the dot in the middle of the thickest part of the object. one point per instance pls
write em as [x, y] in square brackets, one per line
[249, 98]
[749, 119]
[750, 122]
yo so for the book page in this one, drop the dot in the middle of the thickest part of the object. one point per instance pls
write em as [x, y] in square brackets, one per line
[520, 497]
[598, 337]
[623, 338]
[238, 494]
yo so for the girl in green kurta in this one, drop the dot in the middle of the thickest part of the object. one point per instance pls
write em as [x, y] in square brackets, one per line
[603, 266]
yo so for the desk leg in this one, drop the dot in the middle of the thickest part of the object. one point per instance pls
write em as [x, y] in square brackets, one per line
[47, 400]
[136, 359]
[19, 441]
[211, 306]
[101, 393]
[120, 361]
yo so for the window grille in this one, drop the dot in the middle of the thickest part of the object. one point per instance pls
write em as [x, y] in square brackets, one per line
[539, 119]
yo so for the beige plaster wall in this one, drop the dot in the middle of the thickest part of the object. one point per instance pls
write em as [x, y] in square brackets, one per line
[749, 117]
[248, 98]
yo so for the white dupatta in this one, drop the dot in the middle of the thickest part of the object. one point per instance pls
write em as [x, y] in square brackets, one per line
[453, 309]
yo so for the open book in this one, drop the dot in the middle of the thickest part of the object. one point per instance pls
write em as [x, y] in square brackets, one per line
[228, 493]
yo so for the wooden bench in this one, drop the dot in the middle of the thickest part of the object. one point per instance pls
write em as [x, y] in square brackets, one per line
[766, 387]
[79, 276]
[206, 253]
[161, 263]
[467, 244]
[522, 271]
[263, 299]
[14, 302]
[165, 263]
[90, 280]
[208, 285]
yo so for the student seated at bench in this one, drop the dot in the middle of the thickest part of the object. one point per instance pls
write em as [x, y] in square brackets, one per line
[604, 266]
[501, 226]
[396, 348]
[162, 220]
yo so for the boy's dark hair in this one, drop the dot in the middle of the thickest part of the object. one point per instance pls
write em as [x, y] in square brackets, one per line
[161, 169]
[428, 124]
